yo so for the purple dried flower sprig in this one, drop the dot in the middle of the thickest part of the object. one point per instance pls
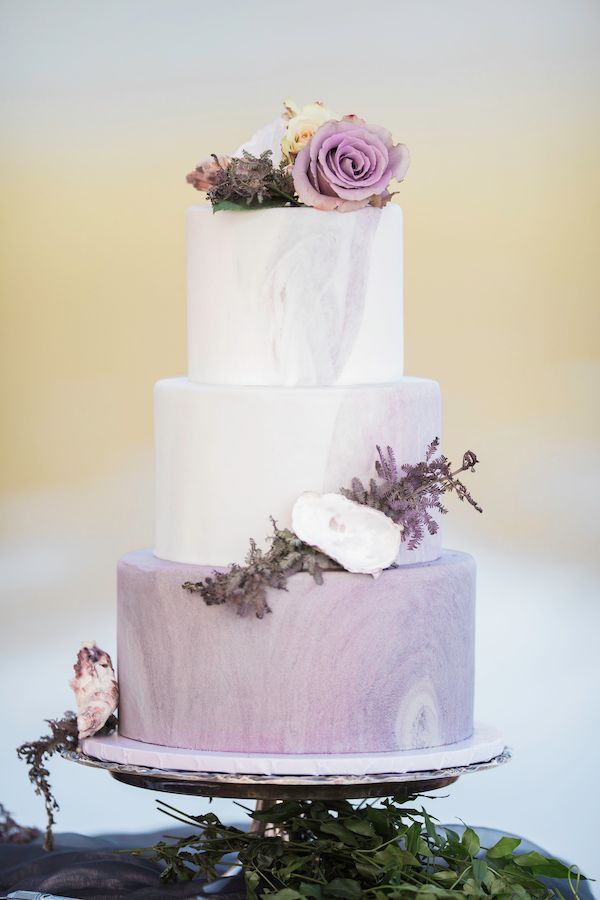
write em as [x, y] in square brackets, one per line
[408, 494]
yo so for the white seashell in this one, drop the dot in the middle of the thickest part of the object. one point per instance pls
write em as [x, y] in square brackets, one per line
[267, 138]
[95, 687]
[359, 538]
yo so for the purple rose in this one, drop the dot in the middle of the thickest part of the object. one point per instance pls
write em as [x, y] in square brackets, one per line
[347, 165]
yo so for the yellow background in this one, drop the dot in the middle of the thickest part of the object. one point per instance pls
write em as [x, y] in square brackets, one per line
[106, 106]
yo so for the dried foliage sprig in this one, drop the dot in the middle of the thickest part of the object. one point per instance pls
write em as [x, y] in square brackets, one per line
[13, 833]
[252, 182]
[63, 736]
[409, 494]
[379, 850]
[246, 586]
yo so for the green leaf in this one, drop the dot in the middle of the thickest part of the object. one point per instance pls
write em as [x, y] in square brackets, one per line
[452, 836]
[413, 837]
[431, 890]
[543, 865]
[436, 838]
[279, 812]
[479, 867]
[286, 894]
[423, 849]
[359, 826]
[290, 867]
[219, 205]
[445, 876]
[470, 842]
[380, 821]
[394, 856]
[232, 206]
[344, 888]
[340, 832]
[367, 870]
[497, 884]
[252, 880]
[504, 847]
[311, 890]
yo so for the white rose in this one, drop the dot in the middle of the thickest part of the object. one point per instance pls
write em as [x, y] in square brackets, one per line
[302, 124]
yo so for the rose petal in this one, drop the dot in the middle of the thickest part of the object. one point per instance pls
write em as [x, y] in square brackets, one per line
[304, 188]
[399, 161]
[378, 150]
[367, 156]
[324, 185]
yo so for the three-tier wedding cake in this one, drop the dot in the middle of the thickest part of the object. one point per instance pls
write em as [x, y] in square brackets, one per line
[295, 375]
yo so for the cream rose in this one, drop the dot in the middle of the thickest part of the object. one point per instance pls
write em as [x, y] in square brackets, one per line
[302, 124]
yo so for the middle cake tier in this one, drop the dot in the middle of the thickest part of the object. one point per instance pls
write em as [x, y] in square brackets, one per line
[228, 458]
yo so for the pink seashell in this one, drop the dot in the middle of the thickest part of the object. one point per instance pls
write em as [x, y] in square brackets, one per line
[95, 687]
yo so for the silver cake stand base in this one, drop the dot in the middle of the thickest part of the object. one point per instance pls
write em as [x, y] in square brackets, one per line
[284, 787]
[268, 789]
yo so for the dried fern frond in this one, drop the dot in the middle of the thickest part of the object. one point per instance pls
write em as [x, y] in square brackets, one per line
[246, 586]
[63, 736]
[410, 494]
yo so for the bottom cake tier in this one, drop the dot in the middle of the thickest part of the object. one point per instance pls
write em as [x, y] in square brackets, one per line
[355, 665]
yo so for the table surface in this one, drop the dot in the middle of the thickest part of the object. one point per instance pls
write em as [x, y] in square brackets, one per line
[92, 868]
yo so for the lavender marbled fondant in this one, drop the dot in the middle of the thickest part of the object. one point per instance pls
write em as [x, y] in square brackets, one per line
[355, 666]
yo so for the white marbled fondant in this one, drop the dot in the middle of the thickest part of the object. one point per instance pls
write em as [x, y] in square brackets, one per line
[295, 296]
[353, 666]
[228, 458]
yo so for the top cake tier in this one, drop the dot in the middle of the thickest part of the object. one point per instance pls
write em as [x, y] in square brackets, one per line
[295, 296]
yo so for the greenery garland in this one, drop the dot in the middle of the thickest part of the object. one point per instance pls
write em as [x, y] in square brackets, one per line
[376, 850]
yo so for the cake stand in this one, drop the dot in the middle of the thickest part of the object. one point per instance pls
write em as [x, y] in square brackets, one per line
[267, 789]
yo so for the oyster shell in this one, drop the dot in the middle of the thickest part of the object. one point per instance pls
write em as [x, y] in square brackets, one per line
[95, 687]
[359, 538]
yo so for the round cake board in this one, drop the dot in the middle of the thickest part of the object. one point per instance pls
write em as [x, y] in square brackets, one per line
[485, 743]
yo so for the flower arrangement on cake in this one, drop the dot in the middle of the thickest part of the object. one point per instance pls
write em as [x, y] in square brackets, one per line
[360, 529]
[309, 156]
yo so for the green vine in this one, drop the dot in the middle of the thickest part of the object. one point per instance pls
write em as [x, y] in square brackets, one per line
[379, 850]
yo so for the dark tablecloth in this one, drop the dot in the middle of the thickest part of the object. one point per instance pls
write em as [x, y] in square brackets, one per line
[90, 868]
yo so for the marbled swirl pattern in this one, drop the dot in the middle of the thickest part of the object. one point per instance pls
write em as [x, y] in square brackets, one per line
[228, 458]
[357, 665]
[295, 297]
